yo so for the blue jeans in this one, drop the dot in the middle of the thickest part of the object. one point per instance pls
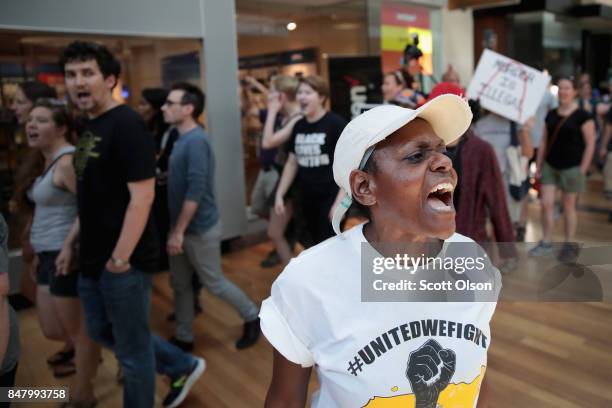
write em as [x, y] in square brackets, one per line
[117, 312]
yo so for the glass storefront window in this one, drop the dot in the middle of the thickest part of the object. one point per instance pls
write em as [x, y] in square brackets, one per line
[356, 39]
[562, 44]
[293, 37]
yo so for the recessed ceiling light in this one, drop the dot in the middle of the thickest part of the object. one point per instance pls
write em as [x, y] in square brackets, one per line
[291, 26]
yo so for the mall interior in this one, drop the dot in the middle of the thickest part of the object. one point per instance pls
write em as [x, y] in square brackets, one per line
[331, 38]
[546, 355]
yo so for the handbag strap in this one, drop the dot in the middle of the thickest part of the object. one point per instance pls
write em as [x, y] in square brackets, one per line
[555, 133]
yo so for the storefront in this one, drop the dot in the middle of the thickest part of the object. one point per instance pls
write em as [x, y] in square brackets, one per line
[142, 33]
[33, 56]
[335, 28]
[565, 37]
[349, 43]
[186, 28]
[297, 37]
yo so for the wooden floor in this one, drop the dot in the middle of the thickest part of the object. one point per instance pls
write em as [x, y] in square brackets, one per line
[542, 355]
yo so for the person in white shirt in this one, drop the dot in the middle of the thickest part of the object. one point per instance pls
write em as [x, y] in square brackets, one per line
[390, 161]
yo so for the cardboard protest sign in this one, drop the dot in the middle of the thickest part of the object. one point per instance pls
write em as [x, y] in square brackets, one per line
[507, 87]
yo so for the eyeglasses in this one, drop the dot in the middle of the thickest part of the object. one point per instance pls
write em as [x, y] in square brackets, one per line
[170, 103]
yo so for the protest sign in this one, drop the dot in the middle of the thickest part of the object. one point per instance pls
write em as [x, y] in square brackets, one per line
[507, 87]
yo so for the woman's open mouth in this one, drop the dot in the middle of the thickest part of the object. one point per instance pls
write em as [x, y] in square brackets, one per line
[440, 197]
[32, 136]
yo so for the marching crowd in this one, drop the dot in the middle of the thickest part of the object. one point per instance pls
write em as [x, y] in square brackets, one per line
[96, 169]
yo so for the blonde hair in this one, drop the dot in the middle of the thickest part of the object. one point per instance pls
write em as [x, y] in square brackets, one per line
[286, 84]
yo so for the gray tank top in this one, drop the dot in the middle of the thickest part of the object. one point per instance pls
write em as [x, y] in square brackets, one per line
[55, 210]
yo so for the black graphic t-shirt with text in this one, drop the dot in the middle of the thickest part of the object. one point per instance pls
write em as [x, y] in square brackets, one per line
[313, 145]
[113, 149]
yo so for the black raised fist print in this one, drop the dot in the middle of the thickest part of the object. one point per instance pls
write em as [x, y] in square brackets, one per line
[429, 371]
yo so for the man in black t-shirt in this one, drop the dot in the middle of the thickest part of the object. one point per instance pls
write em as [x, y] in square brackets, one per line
[115, 168]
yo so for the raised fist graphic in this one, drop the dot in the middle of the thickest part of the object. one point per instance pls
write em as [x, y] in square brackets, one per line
[429, 371]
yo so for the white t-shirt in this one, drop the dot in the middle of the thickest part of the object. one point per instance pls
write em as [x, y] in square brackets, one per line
[374, 354]
[496, 130]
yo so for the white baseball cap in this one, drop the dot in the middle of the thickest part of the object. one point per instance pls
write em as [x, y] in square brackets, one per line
[449, 115]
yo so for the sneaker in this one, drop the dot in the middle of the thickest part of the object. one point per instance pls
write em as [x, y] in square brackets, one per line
[186, 346]
[569, 253]
[249, 335]
[543, 248]
[180, 387]
[271, 260]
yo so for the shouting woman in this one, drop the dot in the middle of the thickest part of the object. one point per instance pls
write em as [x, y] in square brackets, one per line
[391, 163]
[53, 233]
